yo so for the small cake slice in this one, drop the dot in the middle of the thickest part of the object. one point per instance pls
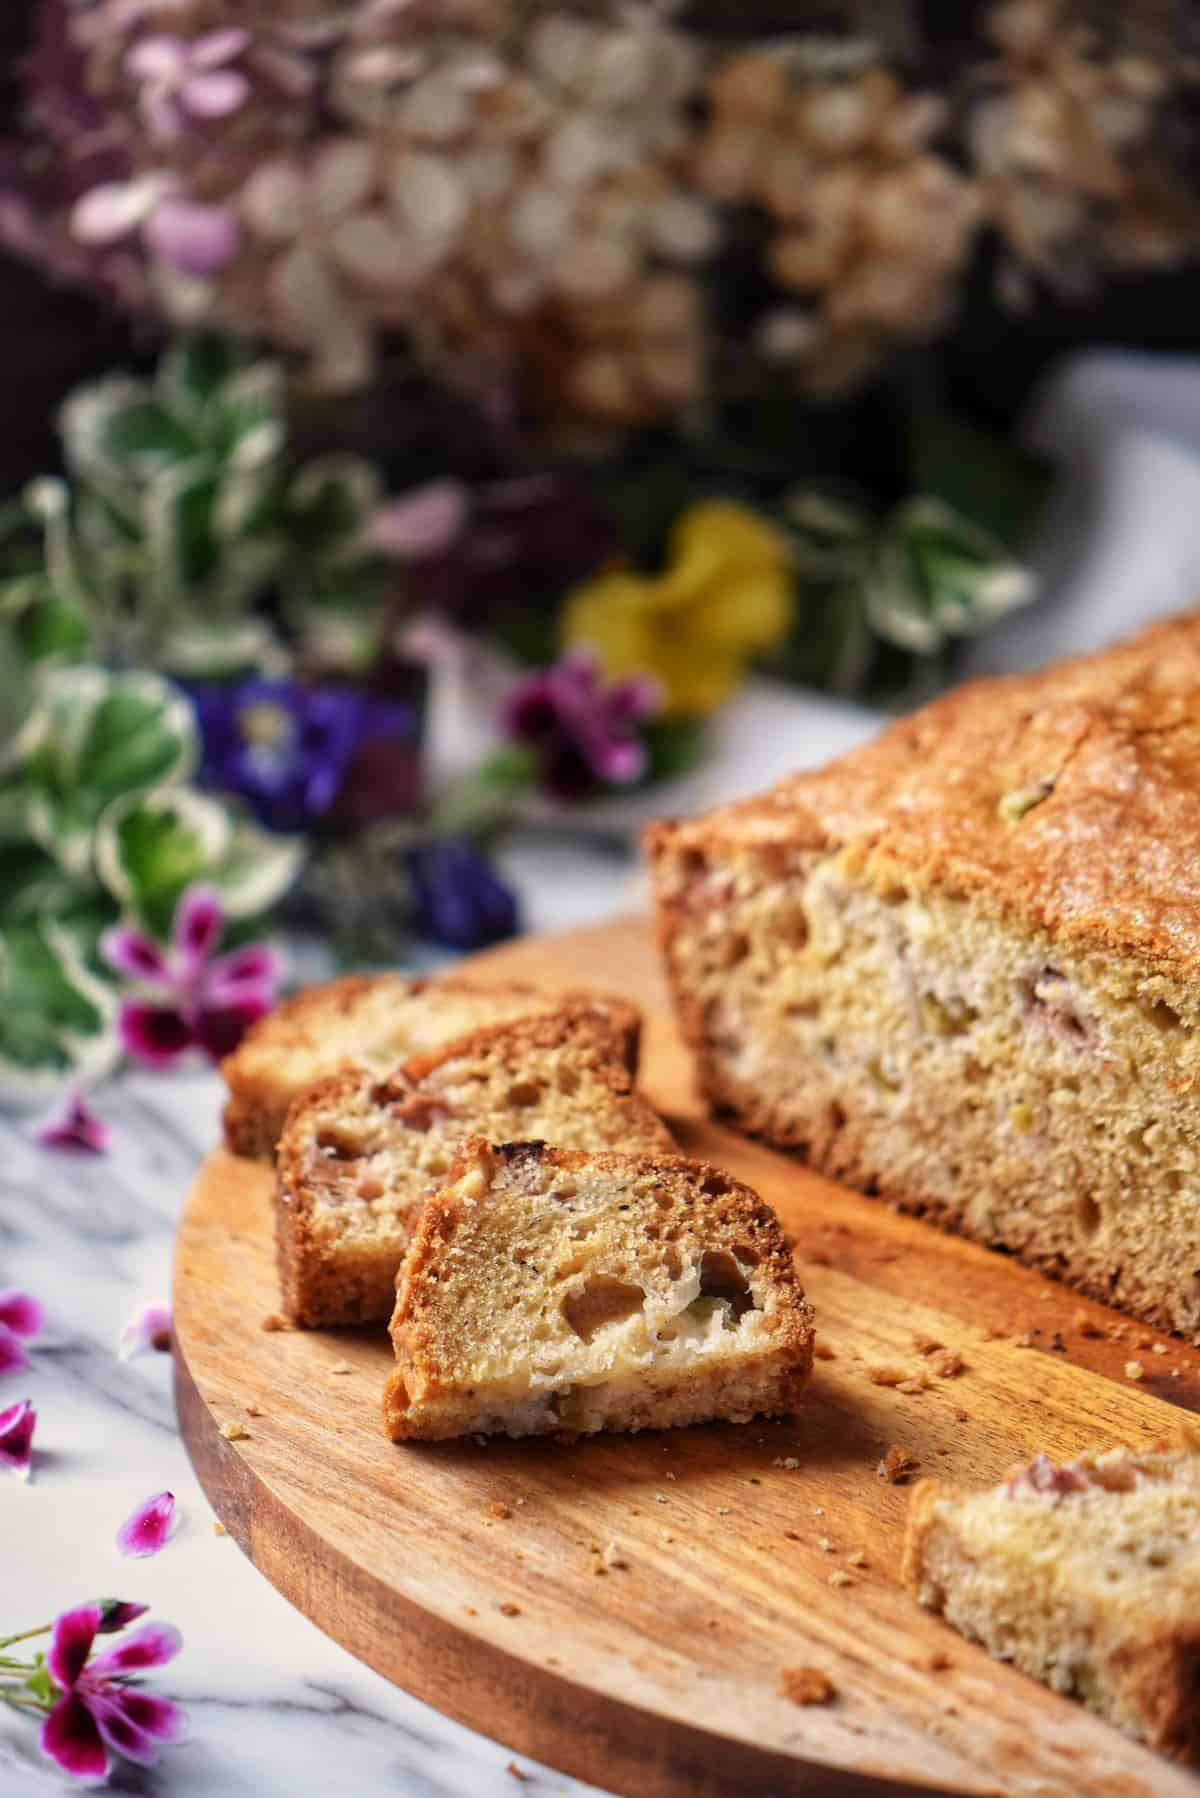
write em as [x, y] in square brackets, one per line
[1085, 1575]
[371, 1021]
[547, 1290]
[359, 1152]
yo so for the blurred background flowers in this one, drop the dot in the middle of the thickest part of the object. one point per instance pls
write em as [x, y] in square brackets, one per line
[561, 361]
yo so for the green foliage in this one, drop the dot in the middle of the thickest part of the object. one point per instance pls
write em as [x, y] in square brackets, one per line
[180, 537]
[97, 823]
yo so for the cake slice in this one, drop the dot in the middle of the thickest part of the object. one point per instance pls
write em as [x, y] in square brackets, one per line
[359, 1152]
[371, 1021]
[1086, 1575]
[547, 1290]
[960, 967]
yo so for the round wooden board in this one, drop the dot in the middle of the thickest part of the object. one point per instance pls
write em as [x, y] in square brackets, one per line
[469, 1572]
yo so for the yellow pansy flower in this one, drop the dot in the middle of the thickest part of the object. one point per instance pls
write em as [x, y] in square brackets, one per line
[727, 594]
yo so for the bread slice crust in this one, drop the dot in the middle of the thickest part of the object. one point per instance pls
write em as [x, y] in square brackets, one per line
[552, 1291]
[375, 1021]
[960, 967]
[358, 1151]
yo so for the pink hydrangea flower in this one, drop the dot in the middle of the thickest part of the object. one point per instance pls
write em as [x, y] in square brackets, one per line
[100, 1713]
[17, 1425]
[150, 1328]
[186, 80]
[192, 237]
[74, 1129]
[21, 1318]
[189, 997]
[148, 1530]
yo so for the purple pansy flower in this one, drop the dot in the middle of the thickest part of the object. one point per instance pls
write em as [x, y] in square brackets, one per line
[459, 898]
[189, 998]
[100, 1713]
[21, 1317]
[285, 748]
[74, 1128]
[149, 1329]
[17, 1425]
[148, 1530]
[584, 730]
[186, 80]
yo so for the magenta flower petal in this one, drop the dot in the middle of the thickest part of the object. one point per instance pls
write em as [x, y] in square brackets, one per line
[17, 1425]
[151, 1646]
[620, 763]
[22, 1314]
[253, 972]
[220, 1028]
[75, 1129]
[147, 1531]
[13, 1358]
[133, 953]
[150, 1328]
[192, 238]
[196, 927]
[70, 1737]
[123, 1714]
[71, 1643]
[115, 1613]
[157, 1036]
[215, 93]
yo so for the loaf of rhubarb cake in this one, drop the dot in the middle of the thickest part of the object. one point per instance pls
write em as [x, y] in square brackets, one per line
[1086, 1575]
[372, 1021]
[358, 1152]
[547, 1291]
[960, 967]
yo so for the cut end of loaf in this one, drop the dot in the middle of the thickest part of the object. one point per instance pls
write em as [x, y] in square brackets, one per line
[548, 1291]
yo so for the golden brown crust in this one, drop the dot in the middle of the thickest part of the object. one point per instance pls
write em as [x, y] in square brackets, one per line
[1107, 857]
[330, 1279]
[271, 1066]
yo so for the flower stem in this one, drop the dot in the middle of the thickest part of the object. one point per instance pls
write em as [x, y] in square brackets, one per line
[8, 1696]
[42, 1629]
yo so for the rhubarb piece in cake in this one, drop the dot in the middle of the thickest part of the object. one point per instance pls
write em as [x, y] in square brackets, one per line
[359, 1152]
[1085, 1575]
[372, 1021]
[960, 967]
[551, 1291]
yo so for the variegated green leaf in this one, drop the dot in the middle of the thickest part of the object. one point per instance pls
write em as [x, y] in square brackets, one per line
[56, 1018]
[937, 575]
[831, 534]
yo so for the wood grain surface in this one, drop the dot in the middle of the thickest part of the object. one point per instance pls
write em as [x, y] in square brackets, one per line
[474, 1574]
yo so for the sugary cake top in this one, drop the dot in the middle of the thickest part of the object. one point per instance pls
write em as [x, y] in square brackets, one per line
[1069, 798]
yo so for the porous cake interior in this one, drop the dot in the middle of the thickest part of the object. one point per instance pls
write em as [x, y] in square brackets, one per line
[1082, 1575]
[355, 1163]
[545, 1294]
[917, 1045]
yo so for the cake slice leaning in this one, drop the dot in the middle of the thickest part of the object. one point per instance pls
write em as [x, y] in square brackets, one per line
[1086, 1576]
[550, 1291]
[372, 1021]
[359, 1152]
[960, 967]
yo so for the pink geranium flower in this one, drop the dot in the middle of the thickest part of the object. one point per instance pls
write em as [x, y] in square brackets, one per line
[74, 1129]
[148, 1530]
[149, 1329]
[21, 1318]
[100, 1713]
[17, 1425]
[189, 997]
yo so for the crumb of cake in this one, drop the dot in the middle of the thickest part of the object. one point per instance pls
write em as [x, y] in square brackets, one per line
[235, 1432]
[219, 1529]
[897, 1465]
[927, 1345]
[660, 1498]
[793, 1535]
[1159, 1348]
[939, 1660]
[887, 1376]
[1026, 1340]
[1117, 1332]
[666, 1535]
[517, 1772]
[823, 1352]
[612, 1556]
[1143, 1341]
[1174, 1373]
[724, 1510]
[918, 1383]
[818, 1510]
[341, 1367]
[840, 1579]
[273, 1321]
[858, 1558]
[806, 1685]
[254, 1411]
[498, 1510]
[825, 1545]
[1086, 1326]
[791, 1462]
[961, 1416]
[510, 1610]
[1134, 1370]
